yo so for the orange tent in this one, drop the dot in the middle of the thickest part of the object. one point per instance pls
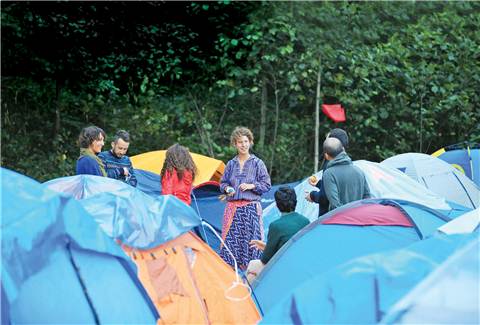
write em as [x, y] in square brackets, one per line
[190, 284]
[209, 169]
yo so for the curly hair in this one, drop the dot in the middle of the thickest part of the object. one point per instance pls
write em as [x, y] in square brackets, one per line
[178, 157]
[238, 132]
[90, 134]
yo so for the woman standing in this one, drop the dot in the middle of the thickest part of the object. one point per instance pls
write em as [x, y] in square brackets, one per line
[244, 181]
[91, 141]
[178, 173]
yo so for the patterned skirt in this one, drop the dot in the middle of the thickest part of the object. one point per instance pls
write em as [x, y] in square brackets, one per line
[242, 222]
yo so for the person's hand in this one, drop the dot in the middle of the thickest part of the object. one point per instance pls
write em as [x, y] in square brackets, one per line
[307, 196]
[125, 172]
[312, 180]
[246, 187]
[258, 244]
[230, 191]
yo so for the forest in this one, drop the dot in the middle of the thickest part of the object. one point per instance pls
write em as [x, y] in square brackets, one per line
[407, 74]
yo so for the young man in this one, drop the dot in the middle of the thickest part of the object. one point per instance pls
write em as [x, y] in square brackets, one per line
[280, 231]
[116, 162]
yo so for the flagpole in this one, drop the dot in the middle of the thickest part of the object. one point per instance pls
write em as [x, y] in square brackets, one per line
[317, 120]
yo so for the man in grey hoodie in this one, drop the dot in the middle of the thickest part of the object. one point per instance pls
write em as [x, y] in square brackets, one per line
[343, 181]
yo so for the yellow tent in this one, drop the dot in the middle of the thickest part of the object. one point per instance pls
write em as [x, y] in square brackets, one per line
[209, 169]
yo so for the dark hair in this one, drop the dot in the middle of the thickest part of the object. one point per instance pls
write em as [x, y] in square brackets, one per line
[122, 134]
[339, 134]
[332, 146]
[178, 157]
[286, 199]
[90, 134]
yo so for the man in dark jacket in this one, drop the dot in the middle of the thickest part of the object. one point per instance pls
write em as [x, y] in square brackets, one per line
[320, 196]
[343, 182]
[116, 161]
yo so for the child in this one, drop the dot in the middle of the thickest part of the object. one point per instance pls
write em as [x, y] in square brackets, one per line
[178, 173]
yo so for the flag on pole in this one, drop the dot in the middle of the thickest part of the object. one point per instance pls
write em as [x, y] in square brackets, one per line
[334, 111]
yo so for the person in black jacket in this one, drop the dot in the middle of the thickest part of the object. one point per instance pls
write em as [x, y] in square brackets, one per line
[319, 196]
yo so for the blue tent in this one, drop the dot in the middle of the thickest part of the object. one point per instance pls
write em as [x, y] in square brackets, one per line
[363, 290]
[384, 182]
[126, 213]
[449, 295]
[438, 176]
[356, 229]
[463, 156]
[58, 266]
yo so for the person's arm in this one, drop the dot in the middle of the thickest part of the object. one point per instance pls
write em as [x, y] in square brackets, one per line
[366, 190]
[273, 240]
[167, 183]
[225, 180]
[88, 166]
[331, 190]
[262, 181]
[132, 179]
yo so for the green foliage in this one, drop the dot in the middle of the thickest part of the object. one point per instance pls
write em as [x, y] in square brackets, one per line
[189, 72]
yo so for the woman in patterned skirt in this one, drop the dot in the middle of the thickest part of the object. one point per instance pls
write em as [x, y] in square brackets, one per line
[244, 181]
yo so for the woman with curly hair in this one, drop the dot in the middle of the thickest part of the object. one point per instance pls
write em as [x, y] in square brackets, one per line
[178, 173]
[244, 181]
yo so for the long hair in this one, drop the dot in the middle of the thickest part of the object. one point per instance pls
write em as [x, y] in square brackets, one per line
[178, 157]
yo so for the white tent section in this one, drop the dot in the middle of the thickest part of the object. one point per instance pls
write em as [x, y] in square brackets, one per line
[464, 224]
[438, 176]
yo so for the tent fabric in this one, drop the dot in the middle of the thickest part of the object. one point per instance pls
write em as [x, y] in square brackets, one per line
[370, 215]
[320, 247]
[466, 223]
[448, 295]
[465, 157]
[364, 289]
[185, 279]
[384, 182]
[126, 213]
[438, 176]
[207, 168]
[58, 266]
[189, 284]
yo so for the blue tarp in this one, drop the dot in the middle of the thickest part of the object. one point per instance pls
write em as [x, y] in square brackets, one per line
[320, 247]
[438, 176]
[58, 266]
[126, 213]
[362, 290]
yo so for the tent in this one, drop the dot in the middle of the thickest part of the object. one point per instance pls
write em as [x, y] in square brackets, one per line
[463, 156]
[437, 176]
[384, 182]
[208, 168]
[448, 295]
[59, 267]
[356, 229]
[363, 290]
[186, 280]
[467, 223]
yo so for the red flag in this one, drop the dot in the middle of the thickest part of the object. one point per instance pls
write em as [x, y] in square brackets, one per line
[335, 111]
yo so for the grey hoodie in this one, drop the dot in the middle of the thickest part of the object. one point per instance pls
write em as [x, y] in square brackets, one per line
[344, 182]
